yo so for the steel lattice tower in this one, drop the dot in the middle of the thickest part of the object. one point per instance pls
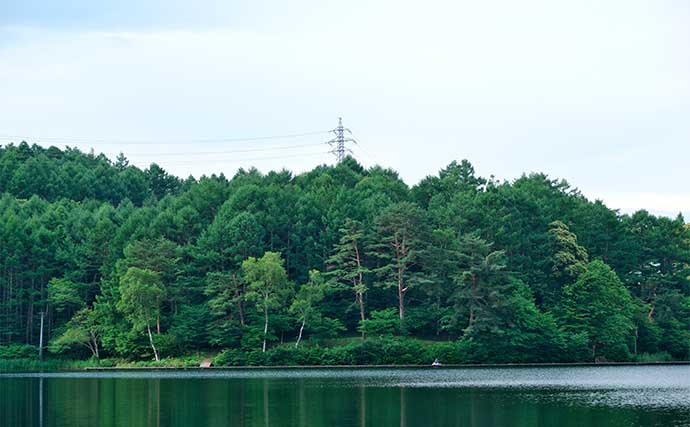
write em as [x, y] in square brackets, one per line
[338, 143]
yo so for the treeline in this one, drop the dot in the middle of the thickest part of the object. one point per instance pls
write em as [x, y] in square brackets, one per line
[138, 264]
[53, 174]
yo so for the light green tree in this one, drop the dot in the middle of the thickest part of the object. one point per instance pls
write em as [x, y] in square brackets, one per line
[305, 305]
[567, 259]
[267, 285]
[598, 304]
[64, 295]
[140, 295]
[83, 329]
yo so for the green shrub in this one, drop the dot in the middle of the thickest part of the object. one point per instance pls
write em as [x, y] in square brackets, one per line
[409, 352]
[231, 357]
[166, 344]
[381, 323]
[662, 356]
[576, 348]
[281, 356]
[676, 341]
[18, 351]
[255, 358]
[341, 355]
[452, 352]
[252, 338]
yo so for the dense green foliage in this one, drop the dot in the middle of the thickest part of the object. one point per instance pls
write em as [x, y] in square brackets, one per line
[126, 263]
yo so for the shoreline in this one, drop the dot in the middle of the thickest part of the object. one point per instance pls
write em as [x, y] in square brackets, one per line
[335, 367]
[195, 368]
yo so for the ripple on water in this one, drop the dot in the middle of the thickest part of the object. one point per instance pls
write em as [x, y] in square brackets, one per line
[638, 386]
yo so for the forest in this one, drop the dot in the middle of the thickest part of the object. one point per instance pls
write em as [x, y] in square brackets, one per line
[338, 265]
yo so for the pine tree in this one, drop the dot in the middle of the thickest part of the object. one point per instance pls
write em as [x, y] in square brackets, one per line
[347, 262]
[400, 245]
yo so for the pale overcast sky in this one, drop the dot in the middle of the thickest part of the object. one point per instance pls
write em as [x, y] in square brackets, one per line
[596, 92]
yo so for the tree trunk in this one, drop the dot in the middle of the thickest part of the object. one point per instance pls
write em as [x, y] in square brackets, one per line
[287, 252]
[158, 318]
[650, 315]
[29, 320]
[399, 253]
[93, 345]
[265, 327]
[360, 299]
[360, 280]
[241, 312]
[239, 293]
[401, 296]
[301, 328]
[40, 341]
[438, 319]
[472, 299]
[155, 352]
[401, 304]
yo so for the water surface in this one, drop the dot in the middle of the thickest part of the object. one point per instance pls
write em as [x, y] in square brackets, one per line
[573, 396]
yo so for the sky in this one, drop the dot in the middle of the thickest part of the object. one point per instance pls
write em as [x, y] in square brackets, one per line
[593, 92]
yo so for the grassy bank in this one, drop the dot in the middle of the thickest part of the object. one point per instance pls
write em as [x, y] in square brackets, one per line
[396, 351]
[57, 365]
[347, 352]
[49, 365]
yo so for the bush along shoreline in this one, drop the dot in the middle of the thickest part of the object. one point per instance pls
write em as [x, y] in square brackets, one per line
[370, 352]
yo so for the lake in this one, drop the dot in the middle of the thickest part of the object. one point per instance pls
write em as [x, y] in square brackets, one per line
[476, 397]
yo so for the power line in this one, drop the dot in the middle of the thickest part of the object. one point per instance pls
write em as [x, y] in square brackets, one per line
[338, 144]
[247, 150]
[152, 141]
[214, 153]
[366, 152]
[254, 159]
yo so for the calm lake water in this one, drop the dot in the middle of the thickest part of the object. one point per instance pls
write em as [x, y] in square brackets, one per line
[563, 397]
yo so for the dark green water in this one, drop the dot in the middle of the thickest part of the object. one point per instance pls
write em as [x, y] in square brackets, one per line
[563, 397]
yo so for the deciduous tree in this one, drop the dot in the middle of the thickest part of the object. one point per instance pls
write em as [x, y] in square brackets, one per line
[268, 287]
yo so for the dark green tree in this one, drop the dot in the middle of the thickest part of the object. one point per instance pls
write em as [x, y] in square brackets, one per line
[347, 262]
[400, 244]
[482, 271]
